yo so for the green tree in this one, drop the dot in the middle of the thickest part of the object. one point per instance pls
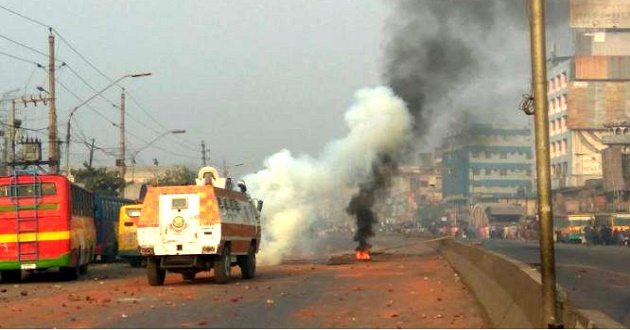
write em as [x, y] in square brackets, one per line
[175, 176]
[99, 180]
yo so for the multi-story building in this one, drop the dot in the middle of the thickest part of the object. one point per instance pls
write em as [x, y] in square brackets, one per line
[486, 163]
[588, 90]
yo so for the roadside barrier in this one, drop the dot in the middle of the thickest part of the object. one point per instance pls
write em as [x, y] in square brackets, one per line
[510, 291]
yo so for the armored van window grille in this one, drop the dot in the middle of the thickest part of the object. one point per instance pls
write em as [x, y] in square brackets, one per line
[179, 203]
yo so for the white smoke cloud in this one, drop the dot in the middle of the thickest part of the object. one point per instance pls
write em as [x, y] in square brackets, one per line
[295, 188]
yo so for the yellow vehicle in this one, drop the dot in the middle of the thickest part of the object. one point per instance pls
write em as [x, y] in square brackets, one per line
[127, 234]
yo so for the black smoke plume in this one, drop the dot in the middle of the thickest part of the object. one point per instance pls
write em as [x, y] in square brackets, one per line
[361, 204]
[449, 57]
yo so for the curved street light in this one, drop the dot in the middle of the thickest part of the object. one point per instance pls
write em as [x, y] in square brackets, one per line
[174, 131]
[132, 75]
[133, 156]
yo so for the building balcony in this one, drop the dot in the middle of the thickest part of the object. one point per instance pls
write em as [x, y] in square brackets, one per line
[572, 181]
[616, 139]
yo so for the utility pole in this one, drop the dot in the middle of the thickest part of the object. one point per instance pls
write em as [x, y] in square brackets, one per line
[121, 161]
[91, 154]
[204, 161]
[11, 157]
[53, 159]
[551, 312]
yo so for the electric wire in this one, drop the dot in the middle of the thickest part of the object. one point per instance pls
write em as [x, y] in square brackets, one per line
[21, 59]
[86, 105]
[186, 145]
[90, 86]
[27, 47]
[25, 17]
[81, 55]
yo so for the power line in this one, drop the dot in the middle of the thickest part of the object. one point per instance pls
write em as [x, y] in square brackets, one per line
[24, 128]
[25, 17]
[89, 85]
[25, 46]
[21, 59]
[81, 55]
[87, 105]
[186, 143]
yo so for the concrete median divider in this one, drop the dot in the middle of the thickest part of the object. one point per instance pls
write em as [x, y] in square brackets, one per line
[510, 291]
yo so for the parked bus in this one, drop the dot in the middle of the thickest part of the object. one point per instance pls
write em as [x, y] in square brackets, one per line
[613, 228]
[127, 234]
[573, 227]
[106, 212]
[45, 222]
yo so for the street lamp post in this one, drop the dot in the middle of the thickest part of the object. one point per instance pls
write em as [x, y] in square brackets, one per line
[132, 75]
[226, 168]
[133, 156]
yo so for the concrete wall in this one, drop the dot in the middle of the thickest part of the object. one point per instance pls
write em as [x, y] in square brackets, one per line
[511, 291]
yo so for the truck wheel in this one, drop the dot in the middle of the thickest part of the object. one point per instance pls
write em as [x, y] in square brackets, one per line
[223, 266]
[189, 275]
[155, 275]
[11, 276]
[248, 263]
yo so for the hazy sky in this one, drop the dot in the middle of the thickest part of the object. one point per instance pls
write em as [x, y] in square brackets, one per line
[249, 78]
[254, 77]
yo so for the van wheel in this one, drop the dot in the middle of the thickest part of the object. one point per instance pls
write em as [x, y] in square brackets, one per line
[155, 275]
[248, 263]
[11, 276]
[223, 266]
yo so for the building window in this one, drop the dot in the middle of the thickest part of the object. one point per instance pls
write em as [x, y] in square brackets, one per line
[529, 173]
[475, 155]
[503, 155]
[563, 102]
[558, 82]
[476, 172]
[488, 155]
[488, 171]
[563, 79]
[553, 127]
[502, 172]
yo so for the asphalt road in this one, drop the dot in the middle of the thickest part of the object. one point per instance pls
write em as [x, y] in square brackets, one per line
[595, 277]
[408, 286]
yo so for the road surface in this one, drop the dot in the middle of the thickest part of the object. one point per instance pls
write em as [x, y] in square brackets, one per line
[406, 287]
[595, 277]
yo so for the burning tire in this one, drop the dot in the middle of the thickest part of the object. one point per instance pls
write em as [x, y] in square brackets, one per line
[248, 263]
[155, 275]
[223, 266]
